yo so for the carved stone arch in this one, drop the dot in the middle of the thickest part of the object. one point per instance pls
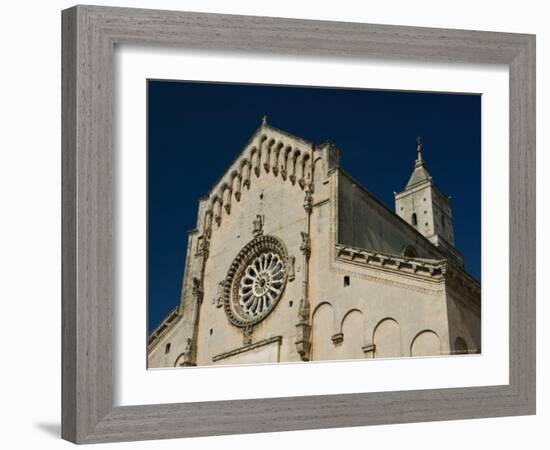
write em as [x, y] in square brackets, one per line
[255, 160]
[245, 173]
[318, 307]
[426, 343]
[236, 184]
[217, 209]
[351, 335]
[322, 329]
[183, 360]
[344, 317]
[386, 338]
[275, 151]
[261, 153]
[226, 196]
[179, 360]
[284, 161]
[304, 177]
[295, 155]
[208, 222]
[318, 166]
[266, 154]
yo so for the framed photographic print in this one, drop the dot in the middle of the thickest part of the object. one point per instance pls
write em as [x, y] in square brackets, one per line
[256, 209]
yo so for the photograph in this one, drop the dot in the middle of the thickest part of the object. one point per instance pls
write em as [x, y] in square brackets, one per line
[260, 225]
[294, 224]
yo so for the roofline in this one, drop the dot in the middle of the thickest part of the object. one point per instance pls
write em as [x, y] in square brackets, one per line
[430, 181]
[393, 213]
[262, 126]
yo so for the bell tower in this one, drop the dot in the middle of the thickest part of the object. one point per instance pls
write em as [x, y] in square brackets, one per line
[424, 206]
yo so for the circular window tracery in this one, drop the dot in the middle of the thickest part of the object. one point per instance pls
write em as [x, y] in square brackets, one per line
[261, 284]
[255, 281]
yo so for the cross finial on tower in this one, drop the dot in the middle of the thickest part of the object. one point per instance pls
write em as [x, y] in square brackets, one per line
[419, 147]
[264, 120]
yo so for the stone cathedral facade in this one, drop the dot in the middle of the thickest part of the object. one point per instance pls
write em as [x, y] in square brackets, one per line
[293, 260]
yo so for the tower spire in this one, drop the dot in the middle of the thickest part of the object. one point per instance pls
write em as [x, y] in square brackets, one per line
[419, 148]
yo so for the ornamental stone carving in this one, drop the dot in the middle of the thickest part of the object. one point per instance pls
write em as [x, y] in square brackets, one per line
[291, 268]
[305, 247]
[258, 224]
[255, 281]
[186, 359]
[218, 300]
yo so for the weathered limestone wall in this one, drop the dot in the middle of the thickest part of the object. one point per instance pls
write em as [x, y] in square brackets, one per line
[280, 203]
[267, 180]
[364, 222]
[464, 315]
[355, 307]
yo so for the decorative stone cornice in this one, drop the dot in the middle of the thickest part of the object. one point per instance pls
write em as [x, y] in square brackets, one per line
[432, 269]
[247, 348]
[369, 350]
[337, 338]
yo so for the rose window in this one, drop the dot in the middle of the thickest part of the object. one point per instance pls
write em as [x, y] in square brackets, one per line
[261, 284]
[255, 281]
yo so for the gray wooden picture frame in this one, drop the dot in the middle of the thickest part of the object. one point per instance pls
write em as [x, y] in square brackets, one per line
[89, 35]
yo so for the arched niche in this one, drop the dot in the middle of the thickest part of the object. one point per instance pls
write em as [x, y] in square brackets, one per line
[387, 339]
[426, 343]
[352, 330]
[322, 326]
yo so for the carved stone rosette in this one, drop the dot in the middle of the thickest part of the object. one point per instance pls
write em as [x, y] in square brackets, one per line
[255, 281]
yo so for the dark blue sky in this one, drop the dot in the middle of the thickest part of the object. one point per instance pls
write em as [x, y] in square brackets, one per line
[195, 130]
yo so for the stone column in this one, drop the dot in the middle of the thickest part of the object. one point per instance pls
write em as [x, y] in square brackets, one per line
[303, 327]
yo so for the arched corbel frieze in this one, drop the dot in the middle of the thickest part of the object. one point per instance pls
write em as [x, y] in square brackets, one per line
[266, 153]
[284, 161]
[208, 223]
[255, 159]
[226, 197]
[302, 177]
[294, 166]
[275, 158]
[236, 185]
[217, 208]
[245, 173]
